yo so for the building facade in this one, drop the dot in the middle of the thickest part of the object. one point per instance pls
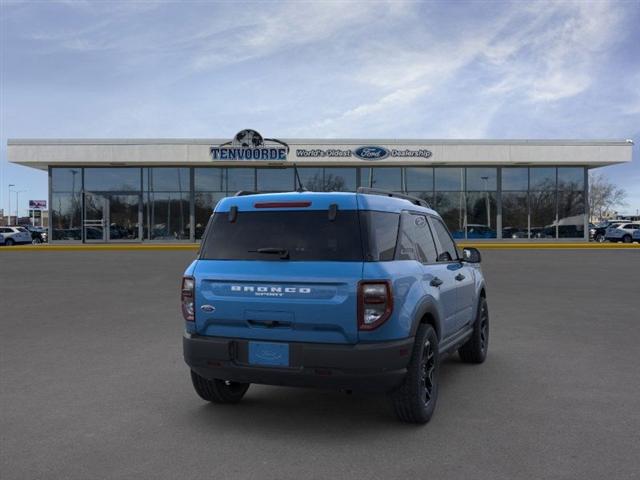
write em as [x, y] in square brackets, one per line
[133, 190]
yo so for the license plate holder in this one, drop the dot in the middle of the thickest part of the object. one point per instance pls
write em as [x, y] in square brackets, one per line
[269, 354]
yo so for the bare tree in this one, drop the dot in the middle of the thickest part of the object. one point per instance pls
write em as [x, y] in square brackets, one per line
[604, 196]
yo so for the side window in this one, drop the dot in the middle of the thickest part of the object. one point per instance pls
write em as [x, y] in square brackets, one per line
[415, 242]
[447, 251]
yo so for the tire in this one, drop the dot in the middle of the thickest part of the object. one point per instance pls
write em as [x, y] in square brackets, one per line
[626, 239]
[415, 400]
[475, 350]
[9, 242]
[218, 391]
[599, 238]
[36, 241]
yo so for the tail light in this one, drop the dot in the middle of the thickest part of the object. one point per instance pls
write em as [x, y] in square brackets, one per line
[187, 296]
[375, 304]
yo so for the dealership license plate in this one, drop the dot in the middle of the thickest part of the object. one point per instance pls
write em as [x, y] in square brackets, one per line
[270, 354]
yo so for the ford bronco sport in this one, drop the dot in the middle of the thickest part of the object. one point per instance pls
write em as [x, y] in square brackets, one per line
[351, 291]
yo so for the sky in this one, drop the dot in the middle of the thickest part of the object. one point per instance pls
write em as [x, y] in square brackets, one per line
[375, 69]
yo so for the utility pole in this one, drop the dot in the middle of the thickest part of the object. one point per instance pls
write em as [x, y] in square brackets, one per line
[18, 192]
[9, 214]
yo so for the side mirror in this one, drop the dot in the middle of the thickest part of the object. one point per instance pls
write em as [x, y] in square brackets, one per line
[471, 255]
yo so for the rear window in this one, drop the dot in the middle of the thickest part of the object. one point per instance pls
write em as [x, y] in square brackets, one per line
[22, 229]
[303, 235]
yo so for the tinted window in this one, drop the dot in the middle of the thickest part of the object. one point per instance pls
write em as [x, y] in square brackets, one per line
[415, 241]
[447, 247]
[114, 179]
[305, 235]
[380, 232]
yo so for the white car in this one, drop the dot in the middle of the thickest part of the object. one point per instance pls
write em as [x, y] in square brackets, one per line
[623, 232]
[15, 235]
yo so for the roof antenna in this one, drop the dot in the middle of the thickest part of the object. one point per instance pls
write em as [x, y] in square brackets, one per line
[300, 187]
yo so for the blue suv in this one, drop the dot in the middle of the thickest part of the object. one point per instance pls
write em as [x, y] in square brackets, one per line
[354, 291]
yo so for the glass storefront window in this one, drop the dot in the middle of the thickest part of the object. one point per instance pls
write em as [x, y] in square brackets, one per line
[205, 202]
[167, 216]
[384, 178]
[449, 179]
[275, 179]
[112, 179]
[542, 178]
[240, 179]
[515, 215]
[482, 179]
[515, 178]
[419, 179]
[66, 179]
[66, 217]
[571, 211]
[451, 207]
[481, 215]
[209, 179]
[312, 178]
[571, 178]
[543, 214]
[340, 179]
[166, 179]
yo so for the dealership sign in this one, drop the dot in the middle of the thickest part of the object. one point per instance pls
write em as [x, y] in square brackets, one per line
[38, 204]
[365, 152]
[250, 145]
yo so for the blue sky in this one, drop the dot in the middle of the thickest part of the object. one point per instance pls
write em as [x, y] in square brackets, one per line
[319, 69]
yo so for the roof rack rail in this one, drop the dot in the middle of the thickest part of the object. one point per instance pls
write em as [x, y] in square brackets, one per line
[242, 193]
[386, 193]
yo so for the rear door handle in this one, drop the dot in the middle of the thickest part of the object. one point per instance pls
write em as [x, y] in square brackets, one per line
[436, 282]
[459, 277]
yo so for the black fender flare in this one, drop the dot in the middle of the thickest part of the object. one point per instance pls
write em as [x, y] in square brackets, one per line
[428, 307]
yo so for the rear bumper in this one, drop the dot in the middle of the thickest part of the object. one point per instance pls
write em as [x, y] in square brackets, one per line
[369, 367]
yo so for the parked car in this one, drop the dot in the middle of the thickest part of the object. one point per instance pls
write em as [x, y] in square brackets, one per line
[1, 239]
[358, 290]
[599, 231]
[15, 235]
[514, 232]
[38, 234]
[622, 232]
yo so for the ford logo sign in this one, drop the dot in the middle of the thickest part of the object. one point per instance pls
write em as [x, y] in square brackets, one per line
[371, 153]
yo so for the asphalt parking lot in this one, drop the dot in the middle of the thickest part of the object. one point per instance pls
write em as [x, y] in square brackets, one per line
[93, 384]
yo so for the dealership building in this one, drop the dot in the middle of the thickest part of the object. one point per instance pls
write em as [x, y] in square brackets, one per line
[132, 190]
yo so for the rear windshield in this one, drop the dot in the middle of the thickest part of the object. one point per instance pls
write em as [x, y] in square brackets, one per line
[301, 235]
[298, 235]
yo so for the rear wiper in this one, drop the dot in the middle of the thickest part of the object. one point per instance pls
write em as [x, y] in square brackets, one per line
[283, 252]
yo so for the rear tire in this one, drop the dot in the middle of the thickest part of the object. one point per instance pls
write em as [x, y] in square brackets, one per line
[218, 391]
[9, 242]
[599, 238]
[475, 349]
[36, 241]
[415, 400]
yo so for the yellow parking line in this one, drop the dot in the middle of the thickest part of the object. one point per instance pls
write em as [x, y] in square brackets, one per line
[551, 246]
[137, 246]
[193, 246]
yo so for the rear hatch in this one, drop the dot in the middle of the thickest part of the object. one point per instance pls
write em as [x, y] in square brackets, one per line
[282, 270]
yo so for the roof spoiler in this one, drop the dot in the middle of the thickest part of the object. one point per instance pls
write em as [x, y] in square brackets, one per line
[386, 193]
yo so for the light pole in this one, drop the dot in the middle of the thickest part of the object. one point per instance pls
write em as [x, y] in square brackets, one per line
[9, 214]
[18, 192]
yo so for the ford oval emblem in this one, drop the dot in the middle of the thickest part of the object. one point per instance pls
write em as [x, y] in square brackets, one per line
[371, 153]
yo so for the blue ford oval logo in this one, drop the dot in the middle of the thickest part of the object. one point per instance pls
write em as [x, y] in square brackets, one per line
[371, 153]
